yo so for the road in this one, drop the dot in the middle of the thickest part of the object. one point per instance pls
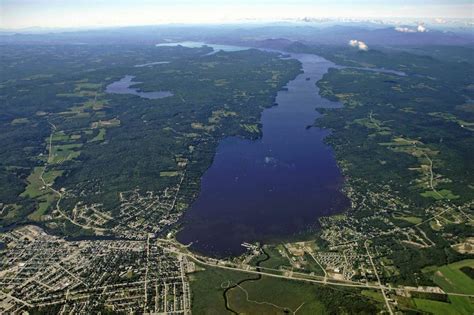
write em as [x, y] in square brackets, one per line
[201, 260]
[146, 273]
[310, 252]
[60, 195]
[175, 247]
[431, 175]
[378, 279]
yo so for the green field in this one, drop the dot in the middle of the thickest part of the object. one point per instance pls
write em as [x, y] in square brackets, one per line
[169, 173]
[43, 205]
[100, 136]
[50, 176]
[440, 194]
[312, 266]
[273, 296]
[436, 307]
[207, 293]
[452, 280]
[59, 136]
[276, 260]
[410, 219]
[62, 153]
[37, 190]
[35, 185]
[375, 295]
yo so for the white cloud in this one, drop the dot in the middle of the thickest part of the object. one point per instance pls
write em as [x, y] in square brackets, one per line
[404, 29]
[421, 28]
[363, 46]
[359, 44]
[353, 42]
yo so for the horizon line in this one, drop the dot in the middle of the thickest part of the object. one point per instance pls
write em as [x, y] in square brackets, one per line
[391, 21]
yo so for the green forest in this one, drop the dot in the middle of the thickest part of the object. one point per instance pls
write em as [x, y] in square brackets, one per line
[70, 143]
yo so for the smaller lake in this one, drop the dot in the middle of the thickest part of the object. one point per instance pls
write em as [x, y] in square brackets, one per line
[380, 70]
[216, 47]
[149, 64]
[123, 86]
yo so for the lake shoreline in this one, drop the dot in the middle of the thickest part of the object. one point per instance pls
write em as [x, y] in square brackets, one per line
[210, 224]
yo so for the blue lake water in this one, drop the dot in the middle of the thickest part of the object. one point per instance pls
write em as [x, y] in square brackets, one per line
[123, 86]
[274, 187]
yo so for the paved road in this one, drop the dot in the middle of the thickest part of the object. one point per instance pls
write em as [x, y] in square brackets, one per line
[387, 303]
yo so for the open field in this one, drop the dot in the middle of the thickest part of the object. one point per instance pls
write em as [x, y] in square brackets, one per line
[440, 194]
[436, 307]
[269, 295]
[275, 296]
[169, 173]
[207, 292]
[36, 189]
[409, 219]
[65, 152]
[35, 186]
[276, 259]
[100, 136]
[451, 279]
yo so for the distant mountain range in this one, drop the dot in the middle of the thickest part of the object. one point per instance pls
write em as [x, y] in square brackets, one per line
[306, 32]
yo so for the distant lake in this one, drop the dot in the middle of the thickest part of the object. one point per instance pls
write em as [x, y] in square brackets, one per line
[216, 47]
[380, 70]
[274, 187]
[123, 86]
[149, 64]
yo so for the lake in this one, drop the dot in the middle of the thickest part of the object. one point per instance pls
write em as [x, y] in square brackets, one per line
[149, 64]
[274, 187]
[123, 86]
[216, 47]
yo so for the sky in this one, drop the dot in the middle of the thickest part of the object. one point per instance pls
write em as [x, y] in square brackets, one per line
[98, 13]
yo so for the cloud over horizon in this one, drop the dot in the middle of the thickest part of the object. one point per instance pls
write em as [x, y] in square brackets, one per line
[421, 28]
[358, 44]
[77, 13]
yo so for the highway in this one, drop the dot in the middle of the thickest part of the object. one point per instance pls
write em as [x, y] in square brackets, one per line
[175, 247]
